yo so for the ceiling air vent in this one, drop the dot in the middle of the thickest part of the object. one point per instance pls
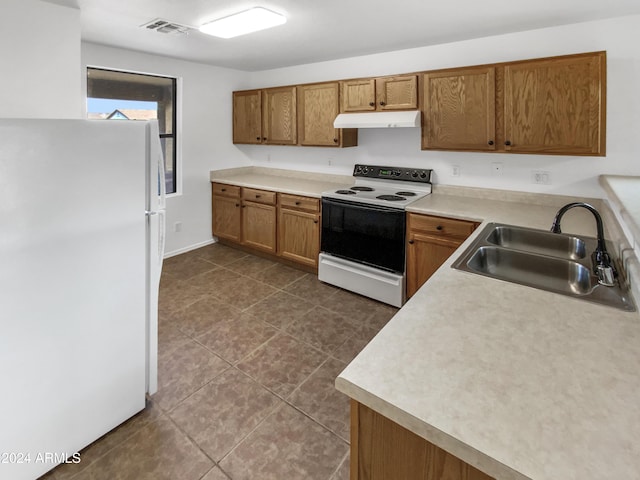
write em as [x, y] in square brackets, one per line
[165, 26]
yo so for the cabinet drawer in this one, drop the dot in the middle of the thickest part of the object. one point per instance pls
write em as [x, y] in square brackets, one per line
[225, 190]
[445, 227]
[297, 202]
[259, 196]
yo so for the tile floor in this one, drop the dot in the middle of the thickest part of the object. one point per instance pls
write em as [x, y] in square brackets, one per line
[248, 353]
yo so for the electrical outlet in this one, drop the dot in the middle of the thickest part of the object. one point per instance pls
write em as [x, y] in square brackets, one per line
[496, 169]
[177, 227]
[541, 177]
[455, 171]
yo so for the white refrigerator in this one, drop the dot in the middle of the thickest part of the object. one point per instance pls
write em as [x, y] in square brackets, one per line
[81, 247]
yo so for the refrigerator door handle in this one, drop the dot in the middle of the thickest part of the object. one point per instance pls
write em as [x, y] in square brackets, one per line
[149, 213]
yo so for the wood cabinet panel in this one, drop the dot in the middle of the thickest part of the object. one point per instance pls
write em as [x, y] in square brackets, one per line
[299, 236]
[430, 242]
[459, 109]
[259, 226]
[259, 196]
[247, 117]
[318, 106]
[397, 93]
[358, 95]
[299, 202]
[225, 190]
[226, 216]
[383, 450]
[556, 105]
[279, 126]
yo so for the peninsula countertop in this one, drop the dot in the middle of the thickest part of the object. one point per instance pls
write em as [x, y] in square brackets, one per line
[518, 382]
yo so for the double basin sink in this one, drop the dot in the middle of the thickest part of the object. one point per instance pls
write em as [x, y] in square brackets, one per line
[540, 259]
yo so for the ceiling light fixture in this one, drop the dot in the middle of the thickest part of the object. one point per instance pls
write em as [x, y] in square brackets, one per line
[251, 20]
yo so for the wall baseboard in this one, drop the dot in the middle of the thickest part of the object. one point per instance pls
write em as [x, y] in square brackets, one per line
[189, 248]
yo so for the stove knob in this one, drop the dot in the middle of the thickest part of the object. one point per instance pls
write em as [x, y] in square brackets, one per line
[414, 174]
[423, 175]
[365, 170]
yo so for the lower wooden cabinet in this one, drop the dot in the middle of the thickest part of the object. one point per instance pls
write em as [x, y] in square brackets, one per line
[299, 229]
[283, 225]
[430, 242]
[226, 219]
[383, 450]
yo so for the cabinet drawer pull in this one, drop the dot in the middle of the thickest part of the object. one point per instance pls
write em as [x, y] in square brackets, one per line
[297, 203]
[439, 227]
[257, 196]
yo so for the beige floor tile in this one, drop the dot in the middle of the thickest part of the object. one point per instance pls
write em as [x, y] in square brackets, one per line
[184, 370]
[158, 451]
[280, 309]
[322, 328]
[318, 398]
[361, 310]
[312, 289]
[219, 254]
[202, 315]
[177, 295]
[187, 267]
[251, 265]
[287, 445]
[210, 283]
[343, 471]
[243, 292]
[354, 344]
[282, 364]
[217, 474]
[223, 412]
[278, 275]
[237, 338]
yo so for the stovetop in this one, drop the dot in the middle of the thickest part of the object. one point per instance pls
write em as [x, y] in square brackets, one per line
[394, 187]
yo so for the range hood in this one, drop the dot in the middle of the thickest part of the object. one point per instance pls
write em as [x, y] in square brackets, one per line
[378, 119]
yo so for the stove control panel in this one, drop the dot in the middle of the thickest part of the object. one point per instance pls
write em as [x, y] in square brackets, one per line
[393, 173]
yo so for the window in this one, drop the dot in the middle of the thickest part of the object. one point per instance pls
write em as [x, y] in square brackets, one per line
[117, 95]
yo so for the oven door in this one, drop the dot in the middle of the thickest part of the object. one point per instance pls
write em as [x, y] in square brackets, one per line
[368, 234]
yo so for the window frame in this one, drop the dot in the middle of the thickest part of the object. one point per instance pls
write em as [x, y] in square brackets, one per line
[176, 102]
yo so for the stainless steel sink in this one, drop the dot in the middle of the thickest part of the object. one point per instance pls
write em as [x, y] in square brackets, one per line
[547, 261]
[538, 241]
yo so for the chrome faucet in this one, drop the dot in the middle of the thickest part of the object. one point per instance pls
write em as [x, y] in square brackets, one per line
[602, 265]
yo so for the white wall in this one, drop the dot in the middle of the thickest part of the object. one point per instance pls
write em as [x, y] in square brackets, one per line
[204, 133]
[569, 175]
[40, 60]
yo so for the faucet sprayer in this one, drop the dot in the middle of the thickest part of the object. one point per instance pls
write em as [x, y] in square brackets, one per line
[602, 264]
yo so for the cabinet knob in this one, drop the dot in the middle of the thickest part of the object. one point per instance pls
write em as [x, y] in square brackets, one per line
[223, 189]
[244, 206]
[382, 104]
[335, 140]
[237, 204]
[315, 221]
[257, 196]
[507, 143]
[264, 139]
[410, 242]
[258, 138]
[297, 203]
[371, 104]
[490, 142]
[439, 227]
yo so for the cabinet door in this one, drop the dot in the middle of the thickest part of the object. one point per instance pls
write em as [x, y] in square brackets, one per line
[247, 117]
[459, 109]
[299, 236]
[318, 106]
[226, 217]
[556, 105]
[279, 116]
[358, 95]
[397, 93]
[425, 254]
[259, 226]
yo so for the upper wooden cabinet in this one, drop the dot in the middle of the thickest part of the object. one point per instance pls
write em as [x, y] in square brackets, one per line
[384, 93]
[459, 109]
[279, 126]
[546, 106]
[247, 116]
[556, 105]
[318, 106]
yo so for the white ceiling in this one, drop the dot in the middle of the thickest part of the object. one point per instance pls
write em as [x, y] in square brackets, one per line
[318, 30]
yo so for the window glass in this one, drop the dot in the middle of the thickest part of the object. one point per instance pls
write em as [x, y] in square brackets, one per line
[115, 95]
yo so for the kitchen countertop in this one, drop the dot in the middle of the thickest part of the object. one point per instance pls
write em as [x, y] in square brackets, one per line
[624, 194]
[283, 181]
[518, 382]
